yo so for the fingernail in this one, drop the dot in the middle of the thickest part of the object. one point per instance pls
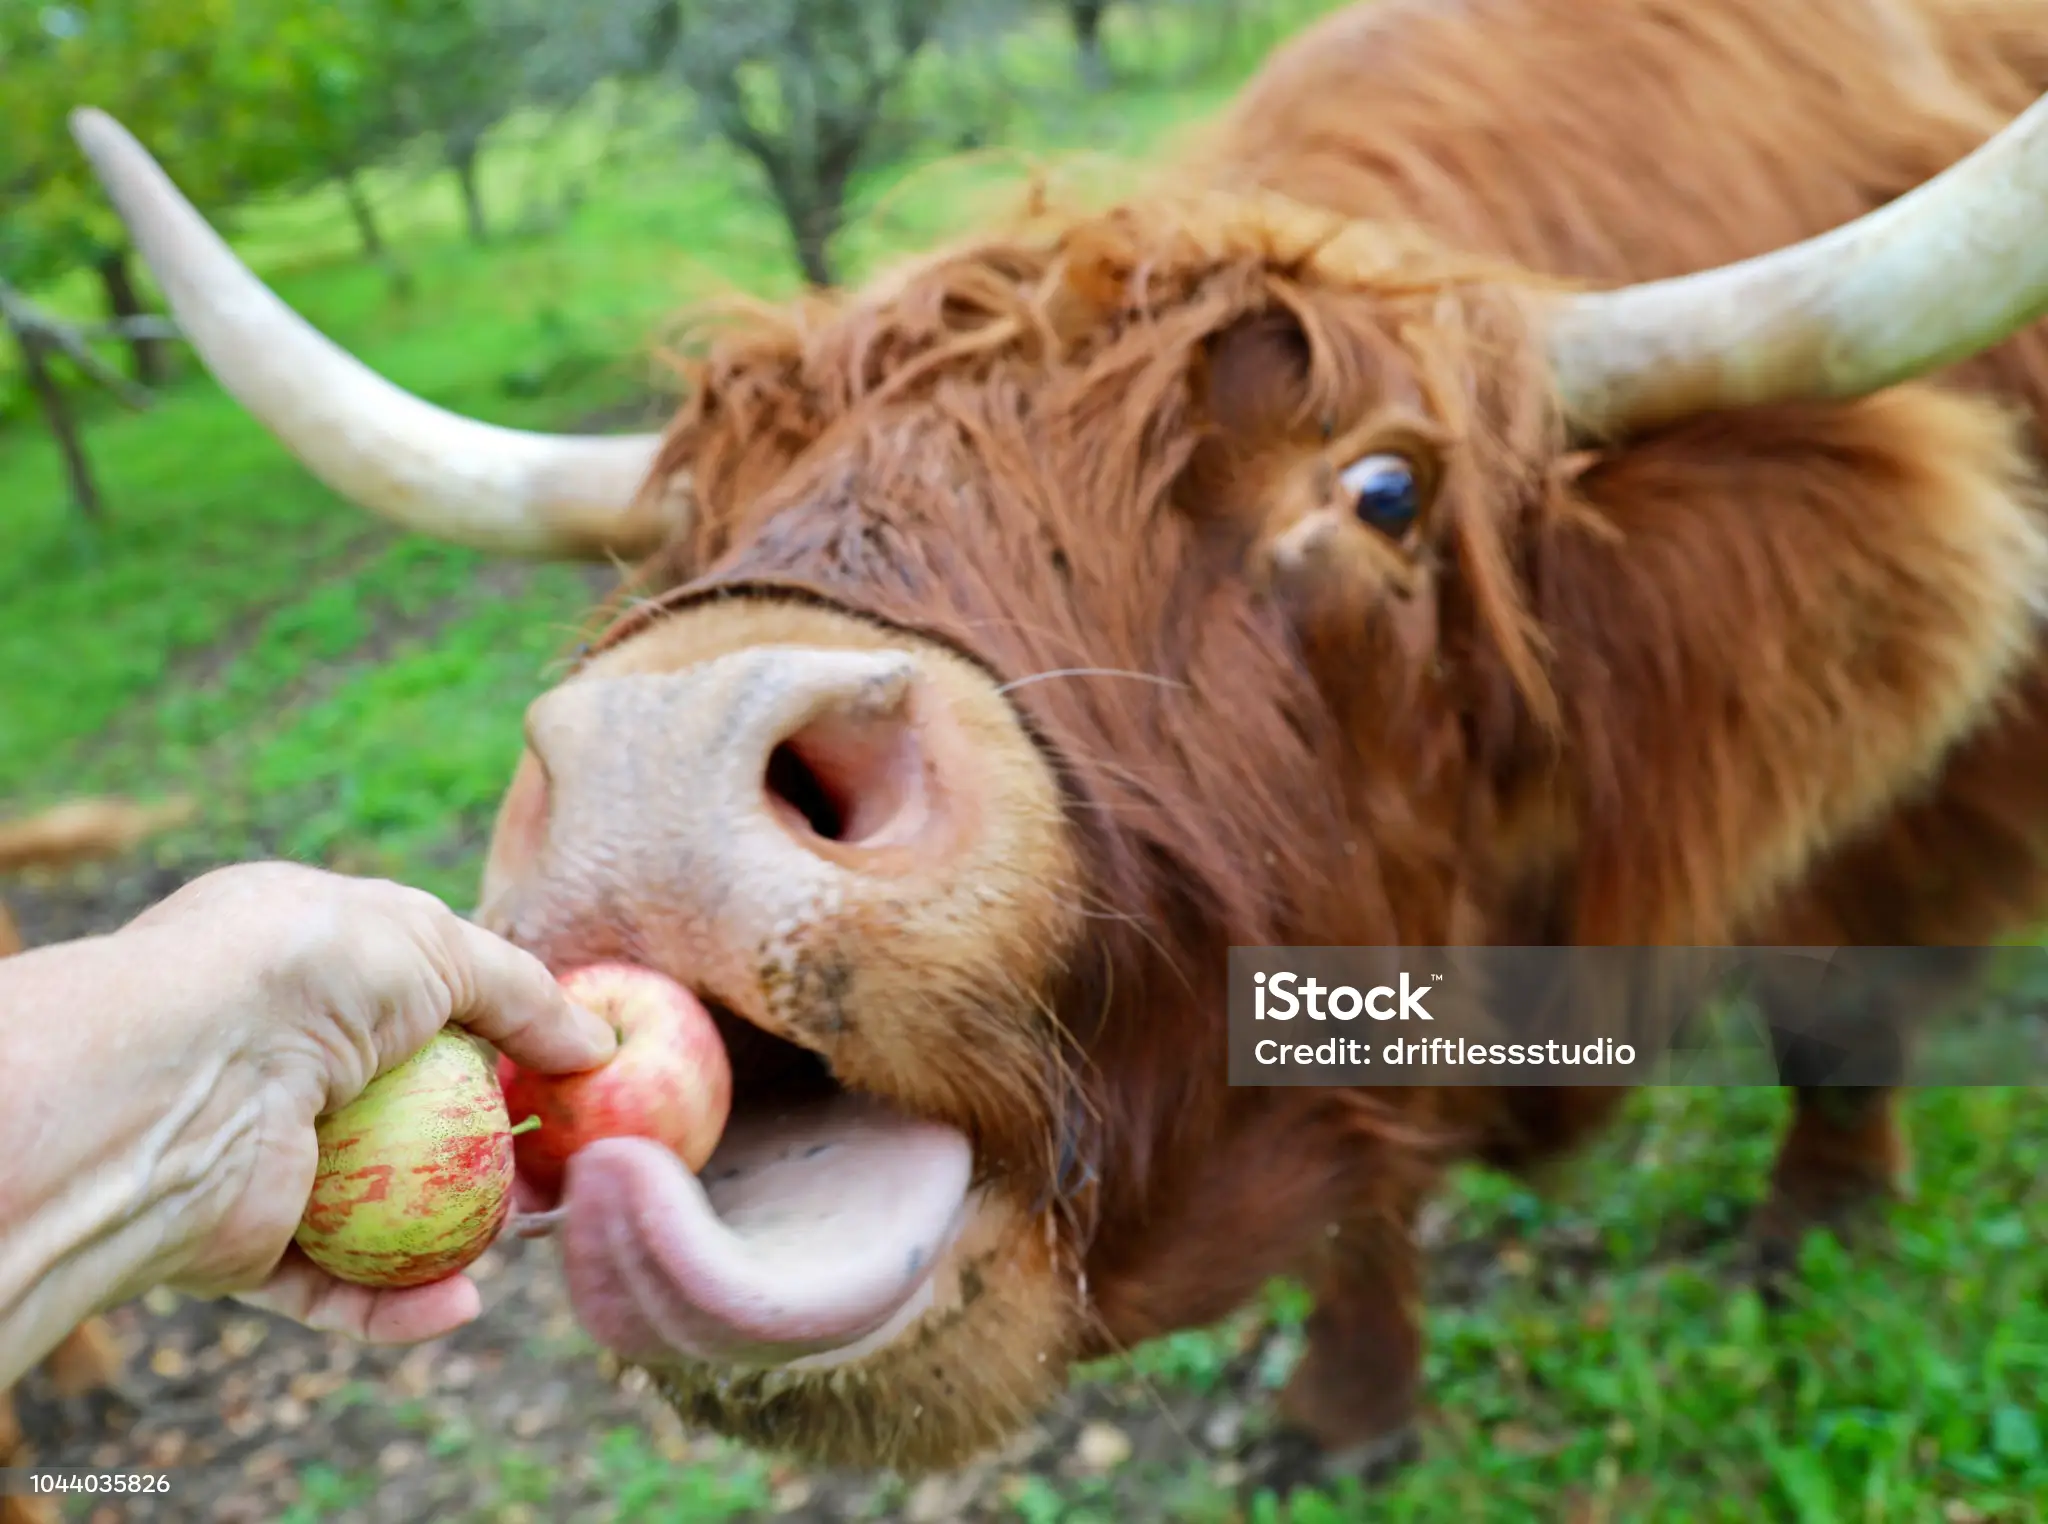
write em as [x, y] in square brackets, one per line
[601, 1035]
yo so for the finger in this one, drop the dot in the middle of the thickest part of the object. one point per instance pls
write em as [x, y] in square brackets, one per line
[303, 1292]
[514, 1003]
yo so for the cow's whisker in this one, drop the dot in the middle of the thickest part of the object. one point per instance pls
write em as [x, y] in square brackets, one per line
[1143, 677]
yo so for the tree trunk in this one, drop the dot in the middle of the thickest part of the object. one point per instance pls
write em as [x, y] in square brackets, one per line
[35, 364]
[813, 251]
[365, 219]
[814, 212]
[1087, 18]
[149, 359]
[658, 40]
[462, 157]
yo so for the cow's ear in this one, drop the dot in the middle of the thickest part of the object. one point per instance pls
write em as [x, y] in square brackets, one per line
[1767, 628]
[1254, 376]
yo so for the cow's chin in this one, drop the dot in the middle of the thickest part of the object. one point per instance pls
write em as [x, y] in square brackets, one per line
[836, 1282]
[844, 841]
[983, 1344]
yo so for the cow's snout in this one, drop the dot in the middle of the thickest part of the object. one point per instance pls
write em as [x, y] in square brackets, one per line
[762, 789]
[784, 827]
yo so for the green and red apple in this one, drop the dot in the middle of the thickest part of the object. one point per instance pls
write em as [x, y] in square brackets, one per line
[415, 1174]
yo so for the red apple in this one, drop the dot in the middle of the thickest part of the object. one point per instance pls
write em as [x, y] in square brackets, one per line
[415, 1174]
[670, 1079]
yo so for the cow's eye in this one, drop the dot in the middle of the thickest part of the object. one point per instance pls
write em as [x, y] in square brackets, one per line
[1384, 493]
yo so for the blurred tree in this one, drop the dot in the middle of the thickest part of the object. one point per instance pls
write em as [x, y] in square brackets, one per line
[571, 51]
[804, 88]
[1086, 19]
[809, 90]
[150, 64]
[57, 56]
[239, 95]
[565, 47]
[455, 69]
[38, 336]
[312, 81]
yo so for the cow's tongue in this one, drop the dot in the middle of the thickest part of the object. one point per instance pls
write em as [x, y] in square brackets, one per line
[813, 1229]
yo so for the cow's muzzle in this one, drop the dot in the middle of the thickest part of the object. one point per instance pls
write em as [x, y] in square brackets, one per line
[852, 853]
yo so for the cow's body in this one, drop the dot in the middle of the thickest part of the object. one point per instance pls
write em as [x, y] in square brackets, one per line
[1649, 139]
[1638, 141]
[1030, 643]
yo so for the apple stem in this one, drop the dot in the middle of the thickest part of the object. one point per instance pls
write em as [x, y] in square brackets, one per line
[526, 1126]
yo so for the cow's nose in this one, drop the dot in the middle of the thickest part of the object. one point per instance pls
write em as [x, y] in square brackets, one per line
[772, 773]
[811, 836]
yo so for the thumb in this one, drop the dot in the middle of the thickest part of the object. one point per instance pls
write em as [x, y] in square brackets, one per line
[511, 1001]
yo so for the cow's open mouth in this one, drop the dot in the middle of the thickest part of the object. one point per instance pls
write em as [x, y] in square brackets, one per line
[810, 1237]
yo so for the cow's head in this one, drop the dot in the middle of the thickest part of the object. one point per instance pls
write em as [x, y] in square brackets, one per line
[1013, 637]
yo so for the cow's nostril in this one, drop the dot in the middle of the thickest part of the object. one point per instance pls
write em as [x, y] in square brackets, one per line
[854, 779]
[792, 782]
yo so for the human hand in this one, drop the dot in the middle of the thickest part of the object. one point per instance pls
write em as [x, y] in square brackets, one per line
[311, 984]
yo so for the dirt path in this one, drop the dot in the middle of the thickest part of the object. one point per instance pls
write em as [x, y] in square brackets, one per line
[242, 1404]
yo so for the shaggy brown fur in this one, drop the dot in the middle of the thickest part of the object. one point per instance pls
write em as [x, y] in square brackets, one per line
[1772, 676]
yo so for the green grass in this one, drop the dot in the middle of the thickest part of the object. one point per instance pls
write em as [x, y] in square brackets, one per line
[1605, 1374]
[1901, 1379]
[336, 691]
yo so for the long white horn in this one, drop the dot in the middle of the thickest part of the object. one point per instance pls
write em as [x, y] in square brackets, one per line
[497, 489]
[1950, 269]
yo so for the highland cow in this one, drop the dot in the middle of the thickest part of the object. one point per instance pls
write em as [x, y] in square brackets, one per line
[1531, 474]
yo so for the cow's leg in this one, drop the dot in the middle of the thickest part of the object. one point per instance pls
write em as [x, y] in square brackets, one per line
[1844, 1153]
[1349, 1408]
[1841, 1161]
[1534, 1128]
[1351, 1405]
[1360, 1374]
